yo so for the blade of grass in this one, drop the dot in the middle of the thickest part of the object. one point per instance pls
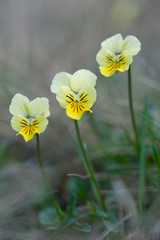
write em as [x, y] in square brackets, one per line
[3, 149]
[142, 165]
[156, 157]
[155, 152]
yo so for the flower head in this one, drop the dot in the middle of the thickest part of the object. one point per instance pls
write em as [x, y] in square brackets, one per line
[116, 54]
[29, 117]
[75, 92]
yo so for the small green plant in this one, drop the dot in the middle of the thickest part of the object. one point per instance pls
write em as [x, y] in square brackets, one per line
[77, 94]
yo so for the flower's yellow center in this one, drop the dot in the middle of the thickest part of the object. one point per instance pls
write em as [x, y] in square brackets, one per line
[28, 128]
[76, 105]
[114, 63]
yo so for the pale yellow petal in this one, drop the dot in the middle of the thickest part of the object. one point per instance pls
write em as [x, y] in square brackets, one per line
[81, 79]
[65, 96]
[121, 68]
[60, 79]
[113, 43]
[20, 105]
[75, 110]
[108, 70]
[28, 127]
[88, 95]
[36, 125]
[126, 59]
[28, 132]
[105, 56]
[40, 123]
[40, 106]
[132, 45]
[18, 121]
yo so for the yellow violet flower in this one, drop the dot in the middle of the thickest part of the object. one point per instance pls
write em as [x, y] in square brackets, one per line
[29, 117]
[116, 54]
[75, 92]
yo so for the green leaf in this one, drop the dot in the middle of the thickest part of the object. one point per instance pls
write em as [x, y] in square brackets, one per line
[71, 205]
[48, 216]
[102, 214]
[84, 227]
[53, 228]
[92, 209]
[112, 224]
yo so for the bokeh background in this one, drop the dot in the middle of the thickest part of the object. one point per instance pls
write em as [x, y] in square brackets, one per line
[39, 39]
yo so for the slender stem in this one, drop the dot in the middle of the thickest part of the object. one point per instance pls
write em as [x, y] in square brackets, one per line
[132, 110]
[52, 198]
[89, 171]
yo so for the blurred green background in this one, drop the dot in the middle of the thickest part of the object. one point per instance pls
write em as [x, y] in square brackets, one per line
[39, 39]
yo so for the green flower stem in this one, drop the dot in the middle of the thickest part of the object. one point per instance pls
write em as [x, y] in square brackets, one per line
[89, 171]
[52, 198]
[132, 111]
